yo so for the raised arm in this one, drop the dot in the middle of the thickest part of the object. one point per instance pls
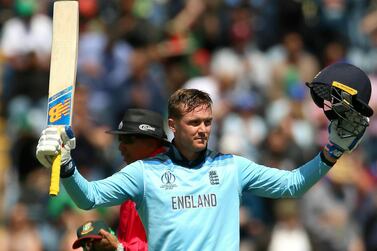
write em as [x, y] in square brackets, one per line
[126, 184]
[274, 183]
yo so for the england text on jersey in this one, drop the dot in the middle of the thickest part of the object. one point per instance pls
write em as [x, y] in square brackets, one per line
[193, 201]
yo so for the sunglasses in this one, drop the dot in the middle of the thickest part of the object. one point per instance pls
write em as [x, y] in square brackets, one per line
[130, 139]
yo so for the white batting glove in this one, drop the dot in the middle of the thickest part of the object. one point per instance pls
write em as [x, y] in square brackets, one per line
[52, 141]
[340, 140]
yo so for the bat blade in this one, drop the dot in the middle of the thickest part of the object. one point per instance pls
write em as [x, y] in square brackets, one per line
[63, 67]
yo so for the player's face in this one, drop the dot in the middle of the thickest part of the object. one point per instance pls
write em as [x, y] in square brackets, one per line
[135, 147]
[191, 132]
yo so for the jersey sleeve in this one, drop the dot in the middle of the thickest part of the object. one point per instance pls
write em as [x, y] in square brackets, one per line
[126, 184]
[275, 183]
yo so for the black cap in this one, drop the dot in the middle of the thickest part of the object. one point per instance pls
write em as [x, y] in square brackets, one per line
[142, 122]
[349, 76]
[90, 230]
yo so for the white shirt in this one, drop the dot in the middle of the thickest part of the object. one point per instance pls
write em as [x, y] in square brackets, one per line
[18, 39]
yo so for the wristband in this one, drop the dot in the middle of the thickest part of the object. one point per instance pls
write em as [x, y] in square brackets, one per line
[334, 151]
[326, 161]
[67, 169]
[120, 247]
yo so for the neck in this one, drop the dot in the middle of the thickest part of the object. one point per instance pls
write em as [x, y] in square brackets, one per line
[184, 158]
[189, 155]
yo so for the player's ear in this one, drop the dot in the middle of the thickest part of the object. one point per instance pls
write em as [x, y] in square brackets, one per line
[171, 124]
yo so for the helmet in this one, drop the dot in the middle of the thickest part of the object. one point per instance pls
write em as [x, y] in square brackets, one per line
[343, 91]
[341, 86]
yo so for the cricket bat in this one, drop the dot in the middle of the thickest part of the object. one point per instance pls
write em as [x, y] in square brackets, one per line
[63, 68]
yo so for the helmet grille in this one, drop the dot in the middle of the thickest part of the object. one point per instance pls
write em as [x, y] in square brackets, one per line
[322, 90]
[338, 105]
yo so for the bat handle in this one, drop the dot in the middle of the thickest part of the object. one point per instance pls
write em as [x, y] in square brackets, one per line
[55, 175]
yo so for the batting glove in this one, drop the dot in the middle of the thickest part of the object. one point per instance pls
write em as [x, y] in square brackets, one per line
[52, 141]
[339, 141]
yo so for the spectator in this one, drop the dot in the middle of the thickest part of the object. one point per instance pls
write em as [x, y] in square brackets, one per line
[288, 232]
[26, 44]
[22, 230]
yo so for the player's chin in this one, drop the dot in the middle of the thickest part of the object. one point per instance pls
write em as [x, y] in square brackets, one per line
[200, 146]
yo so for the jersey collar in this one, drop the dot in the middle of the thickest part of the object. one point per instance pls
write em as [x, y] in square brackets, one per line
[178, 158]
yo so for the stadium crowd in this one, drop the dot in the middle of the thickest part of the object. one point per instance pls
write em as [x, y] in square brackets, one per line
[252, 56]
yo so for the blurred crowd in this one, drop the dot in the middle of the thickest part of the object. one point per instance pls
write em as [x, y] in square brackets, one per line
[252, 56]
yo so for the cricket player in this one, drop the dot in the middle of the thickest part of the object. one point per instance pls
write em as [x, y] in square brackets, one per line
[189, 197]
[135, 143]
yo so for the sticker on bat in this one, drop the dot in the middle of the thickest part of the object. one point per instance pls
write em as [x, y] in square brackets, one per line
[59, 108]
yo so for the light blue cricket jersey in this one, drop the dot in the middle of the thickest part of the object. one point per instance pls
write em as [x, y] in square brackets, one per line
[192, 206]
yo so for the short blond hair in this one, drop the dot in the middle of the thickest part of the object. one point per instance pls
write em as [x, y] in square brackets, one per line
[186, 100]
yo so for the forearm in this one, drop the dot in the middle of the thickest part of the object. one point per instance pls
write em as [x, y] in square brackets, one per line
[274, 183]
[307, 175]
[111, 191]
[78, 189]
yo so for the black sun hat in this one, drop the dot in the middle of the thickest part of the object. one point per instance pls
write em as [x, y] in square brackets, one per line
[345, 77]
[142, 122]
[90, 230]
